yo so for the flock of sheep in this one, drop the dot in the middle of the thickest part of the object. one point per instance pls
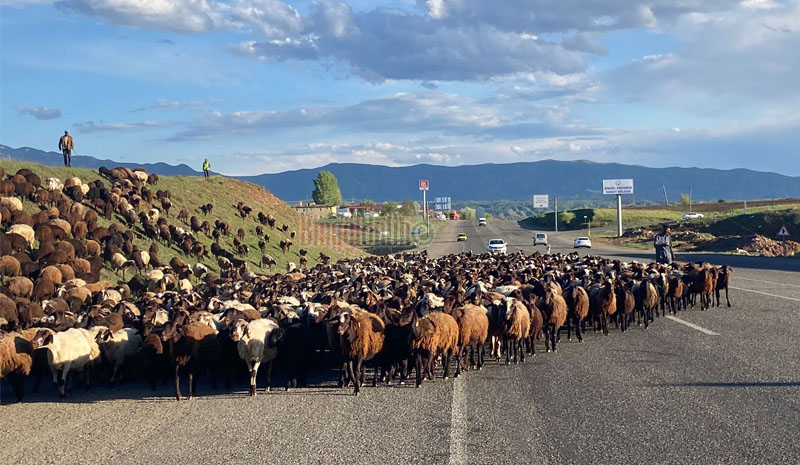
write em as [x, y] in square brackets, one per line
[397, 313]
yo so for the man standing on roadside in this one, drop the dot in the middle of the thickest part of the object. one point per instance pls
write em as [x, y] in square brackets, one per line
[206, 167]
[66, 145]
[663, 244]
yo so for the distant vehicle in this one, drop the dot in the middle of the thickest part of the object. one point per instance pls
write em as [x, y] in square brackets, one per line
[497, 245]
[462, 237]
[583, 242]
[481, 221]
[454, 215]
[540, 239]
[692, 216]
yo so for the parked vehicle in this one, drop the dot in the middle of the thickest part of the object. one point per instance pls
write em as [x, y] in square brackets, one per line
[692, 216]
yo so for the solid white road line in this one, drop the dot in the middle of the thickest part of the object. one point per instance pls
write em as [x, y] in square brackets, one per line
[458, 424]
[765, 293]
[767, 282]
[693, 326]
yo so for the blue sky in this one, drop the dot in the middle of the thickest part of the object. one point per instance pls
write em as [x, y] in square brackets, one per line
[268, 85]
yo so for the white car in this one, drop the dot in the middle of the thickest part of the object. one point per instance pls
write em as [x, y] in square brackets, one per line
[497, 246]
[481, 221]
[540, 239]
[692, 216]
[583, 242]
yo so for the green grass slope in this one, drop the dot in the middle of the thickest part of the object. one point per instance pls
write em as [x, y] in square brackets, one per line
[224, 193]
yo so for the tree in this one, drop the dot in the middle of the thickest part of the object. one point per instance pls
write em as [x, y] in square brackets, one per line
[409, 208]
[326, 189]
[467, 213]
[367, 202]
[684, 199]
[390, 208]
[488, 216]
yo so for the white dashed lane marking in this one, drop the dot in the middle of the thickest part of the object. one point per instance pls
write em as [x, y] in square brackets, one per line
[693, 326]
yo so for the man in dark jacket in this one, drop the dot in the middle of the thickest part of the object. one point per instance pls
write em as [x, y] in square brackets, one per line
[663, 244]
[66, 145]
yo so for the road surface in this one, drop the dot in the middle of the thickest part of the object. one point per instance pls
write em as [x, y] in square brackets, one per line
[721, 386]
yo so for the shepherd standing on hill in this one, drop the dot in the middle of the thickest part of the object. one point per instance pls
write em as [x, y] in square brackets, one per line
[66, 145]
[206, 167]
[663, 244]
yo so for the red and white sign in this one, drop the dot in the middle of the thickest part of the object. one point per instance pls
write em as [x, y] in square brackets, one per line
[423, 184]
[783, 231]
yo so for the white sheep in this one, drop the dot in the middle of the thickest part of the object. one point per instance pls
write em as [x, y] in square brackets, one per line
[185, 285]
[198, 269]
[118, 347]
[53, 184]
[74, 181]
[84, 188]
[73, 350]
[153, 214]
[25, 231]
[257, 343]
[12, 203]
[141, 175]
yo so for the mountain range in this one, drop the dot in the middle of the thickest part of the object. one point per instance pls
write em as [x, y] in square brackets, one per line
[83, 161]
[488, 182]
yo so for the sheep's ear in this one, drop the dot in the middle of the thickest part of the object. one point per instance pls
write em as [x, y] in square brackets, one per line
[275, 336]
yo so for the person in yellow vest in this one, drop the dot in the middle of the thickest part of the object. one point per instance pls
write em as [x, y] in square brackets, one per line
[66, 145]
[206, 167]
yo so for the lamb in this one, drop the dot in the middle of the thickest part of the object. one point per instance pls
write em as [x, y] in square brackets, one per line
[257, 342]
[16, 360]
[73, 350]
[362, 336]
[554, 311]
[117, 348]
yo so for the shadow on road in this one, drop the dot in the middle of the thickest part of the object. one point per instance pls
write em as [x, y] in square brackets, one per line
[732, 384]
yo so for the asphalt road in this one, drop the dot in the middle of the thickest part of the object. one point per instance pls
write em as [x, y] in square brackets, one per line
[726, 390]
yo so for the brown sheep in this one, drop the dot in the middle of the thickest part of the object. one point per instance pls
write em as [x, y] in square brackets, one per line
[20, 286]
[434, 334]
[473, 329]
[362, 336]
[602, 303]
[626, 303]
[43, 289]
[193, 348]
[723, 281]
[577, 300]
[516, 328]
[16, 360]
[9, 266]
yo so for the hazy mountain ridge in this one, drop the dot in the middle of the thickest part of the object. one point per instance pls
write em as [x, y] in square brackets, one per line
[575, 180]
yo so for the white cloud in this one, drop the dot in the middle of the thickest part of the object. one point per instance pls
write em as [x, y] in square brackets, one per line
[88, 127]
[170, 15]
[40, 113]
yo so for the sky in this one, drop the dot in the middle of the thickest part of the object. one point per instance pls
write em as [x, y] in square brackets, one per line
[264, 86]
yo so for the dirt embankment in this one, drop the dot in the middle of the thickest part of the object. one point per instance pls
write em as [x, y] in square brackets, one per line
[751, 234]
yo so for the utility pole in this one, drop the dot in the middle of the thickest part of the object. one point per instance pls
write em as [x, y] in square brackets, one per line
[555, 214]
[666, 201]
[425, 213]
[619, 215]
[690, 198]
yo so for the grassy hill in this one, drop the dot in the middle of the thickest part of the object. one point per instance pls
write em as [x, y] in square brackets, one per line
[224, 193]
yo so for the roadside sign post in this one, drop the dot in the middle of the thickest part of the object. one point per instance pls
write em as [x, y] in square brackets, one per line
[618, 187]
[423, 186]
[555, 214]
[783, 233]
